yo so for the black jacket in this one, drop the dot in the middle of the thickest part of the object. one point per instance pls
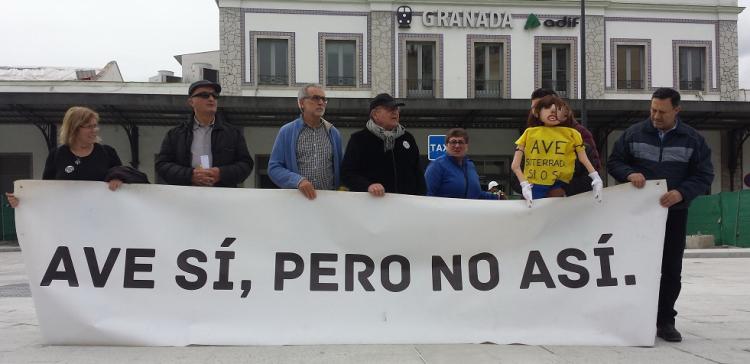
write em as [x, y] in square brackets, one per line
[682, 158]
[228, 149]
[398, 170]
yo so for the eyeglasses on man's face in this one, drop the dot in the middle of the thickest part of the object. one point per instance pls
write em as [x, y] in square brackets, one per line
[456, 142]
[317, 98]
[206, 95]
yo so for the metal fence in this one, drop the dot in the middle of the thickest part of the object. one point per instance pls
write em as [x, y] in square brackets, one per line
[341, 81]
[420, 87]
[725, 215]
[488, 88]
[559, 86]
[691, 85]
[629, 84]
[273, 79]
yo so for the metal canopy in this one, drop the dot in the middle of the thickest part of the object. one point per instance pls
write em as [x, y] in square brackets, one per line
[165, 110]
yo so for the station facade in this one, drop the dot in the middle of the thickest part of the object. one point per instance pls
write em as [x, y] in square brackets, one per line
[430, 54]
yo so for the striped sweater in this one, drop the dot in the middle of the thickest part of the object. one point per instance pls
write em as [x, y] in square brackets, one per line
[682, 158]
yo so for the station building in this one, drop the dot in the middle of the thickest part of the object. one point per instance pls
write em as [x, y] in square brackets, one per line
[466, 64]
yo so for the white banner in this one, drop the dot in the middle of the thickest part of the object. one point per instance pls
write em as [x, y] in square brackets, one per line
[165, 265]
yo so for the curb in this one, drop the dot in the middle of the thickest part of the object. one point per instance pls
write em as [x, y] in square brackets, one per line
[716, 253]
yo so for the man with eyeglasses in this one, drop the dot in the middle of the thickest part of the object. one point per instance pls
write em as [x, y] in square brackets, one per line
[307, 152]
[204, 150]
[383, 157]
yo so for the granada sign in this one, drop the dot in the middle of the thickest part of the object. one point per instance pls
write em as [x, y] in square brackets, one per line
[467, 19]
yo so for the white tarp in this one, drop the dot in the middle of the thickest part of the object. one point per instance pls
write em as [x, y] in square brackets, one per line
[145, 265]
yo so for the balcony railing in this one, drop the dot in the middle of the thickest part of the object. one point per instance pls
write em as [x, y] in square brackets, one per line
[488, 88]
[273, 79]
[630, 84]
[341, 81]
[691, 85]
[559, 86]
[420, 87]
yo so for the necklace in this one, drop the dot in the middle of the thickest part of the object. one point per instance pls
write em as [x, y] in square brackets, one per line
[77, 162]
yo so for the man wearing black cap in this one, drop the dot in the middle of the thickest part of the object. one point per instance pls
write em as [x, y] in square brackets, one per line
[204, 150]
[383, 157]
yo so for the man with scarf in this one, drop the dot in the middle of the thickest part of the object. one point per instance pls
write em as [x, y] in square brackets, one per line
[383, 157]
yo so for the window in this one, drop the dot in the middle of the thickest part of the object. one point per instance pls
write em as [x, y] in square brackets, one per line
[211, 74]
[273, 61]
[630, 67]
[420, 69]
[692, 68]
[556, 68]
[340, 63]
[488, 69]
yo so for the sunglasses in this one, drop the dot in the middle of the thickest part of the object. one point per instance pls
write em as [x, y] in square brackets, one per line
[206, 95]
[317, 98]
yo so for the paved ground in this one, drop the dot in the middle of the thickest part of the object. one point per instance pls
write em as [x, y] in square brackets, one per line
[714, 319]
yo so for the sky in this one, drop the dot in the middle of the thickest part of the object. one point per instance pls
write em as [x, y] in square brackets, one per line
[143, 36]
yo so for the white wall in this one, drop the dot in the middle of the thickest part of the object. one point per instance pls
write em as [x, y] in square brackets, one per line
[306, 29]
[259, 141]
[191, 74]
[28, 139]
[150, 144]
[661, 35]
[455, 49]
[25, 139]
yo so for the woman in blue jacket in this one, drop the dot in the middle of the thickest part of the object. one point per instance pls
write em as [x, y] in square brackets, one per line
[453, 174]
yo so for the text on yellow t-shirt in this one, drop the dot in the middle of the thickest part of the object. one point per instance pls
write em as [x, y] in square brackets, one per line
[549, 153]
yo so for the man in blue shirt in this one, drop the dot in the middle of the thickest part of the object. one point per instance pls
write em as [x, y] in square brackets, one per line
[307, 152]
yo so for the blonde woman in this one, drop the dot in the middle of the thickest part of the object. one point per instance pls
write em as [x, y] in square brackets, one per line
[79, 157]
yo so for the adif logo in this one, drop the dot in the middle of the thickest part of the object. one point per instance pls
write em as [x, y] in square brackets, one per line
[532, 22]
[404, 14]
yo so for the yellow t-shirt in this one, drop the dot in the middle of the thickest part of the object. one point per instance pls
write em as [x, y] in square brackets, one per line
[549, 153]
